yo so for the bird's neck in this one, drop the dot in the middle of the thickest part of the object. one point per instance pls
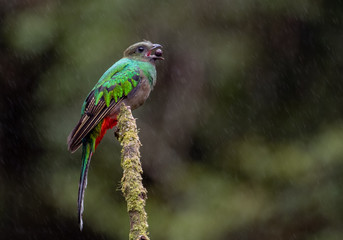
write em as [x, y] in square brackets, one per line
[149, 71]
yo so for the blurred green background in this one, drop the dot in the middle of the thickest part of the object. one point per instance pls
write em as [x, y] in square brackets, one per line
[242, 135]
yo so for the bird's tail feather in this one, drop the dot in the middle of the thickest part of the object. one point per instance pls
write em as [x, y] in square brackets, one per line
[87, 153]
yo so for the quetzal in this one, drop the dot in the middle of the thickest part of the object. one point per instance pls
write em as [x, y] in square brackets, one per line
[129, 81]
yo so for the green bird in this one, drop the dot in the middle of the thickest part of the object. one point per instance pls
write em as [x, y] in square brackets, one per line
[128, 81]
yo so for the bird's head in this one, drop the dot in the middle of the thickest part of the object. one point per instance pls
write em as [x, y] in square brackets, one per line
[144, 51]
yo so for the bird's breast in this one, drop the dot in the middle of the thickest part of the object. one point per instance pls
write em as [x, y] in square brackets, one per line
[135, 98]
[139, 95]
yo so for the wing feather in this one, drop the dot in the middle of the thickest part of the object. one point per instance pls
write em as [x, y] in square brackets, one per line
[94, 112]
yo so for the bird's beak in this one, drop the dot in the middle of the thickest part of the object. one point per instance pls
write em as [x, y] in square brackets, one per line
[156, 45]
[157, 55]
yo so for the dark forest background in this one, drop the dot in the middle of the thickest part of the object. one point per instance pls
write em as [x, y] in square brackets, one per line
[242, 135]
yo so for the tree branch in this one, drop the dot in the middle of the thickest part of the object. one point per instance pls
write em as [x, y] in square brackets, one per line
[131, 183]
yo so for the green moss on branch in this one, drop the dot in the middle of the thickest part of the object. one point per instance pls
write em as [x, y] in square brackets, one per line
[131, 183]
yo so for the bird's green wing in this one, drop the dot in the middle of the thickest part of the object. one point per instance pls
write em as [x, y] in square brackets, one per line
[116, 83]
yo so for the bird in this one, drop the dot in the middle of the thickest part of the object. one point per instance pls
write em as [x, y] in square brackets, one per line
[130, 81]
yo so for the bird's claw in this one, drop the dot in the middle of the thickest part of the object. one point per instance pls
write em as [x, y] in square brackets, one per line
[116, 132]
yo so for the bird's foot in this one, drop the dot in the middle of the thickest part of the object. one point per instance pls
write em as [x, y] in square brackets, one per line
[116, 132]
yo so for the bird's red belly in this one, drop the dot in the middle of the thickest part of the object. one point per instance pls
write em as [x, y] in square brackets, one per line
[108, 123]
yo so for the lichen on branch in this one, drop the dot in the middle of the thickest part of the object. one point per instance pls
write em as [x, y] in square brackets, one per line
[131, 183]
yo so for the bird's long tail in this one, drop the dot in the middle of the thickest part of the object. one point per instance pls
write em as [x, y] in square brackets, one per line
[90, 143]
[87, 152]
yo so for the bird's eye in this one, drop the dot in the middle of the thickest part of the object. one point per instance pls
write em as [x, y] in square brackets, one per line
[140, 49]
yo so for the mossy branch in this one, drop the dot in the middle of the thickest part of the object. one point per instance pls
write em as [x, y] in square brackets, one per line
[131, 183]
